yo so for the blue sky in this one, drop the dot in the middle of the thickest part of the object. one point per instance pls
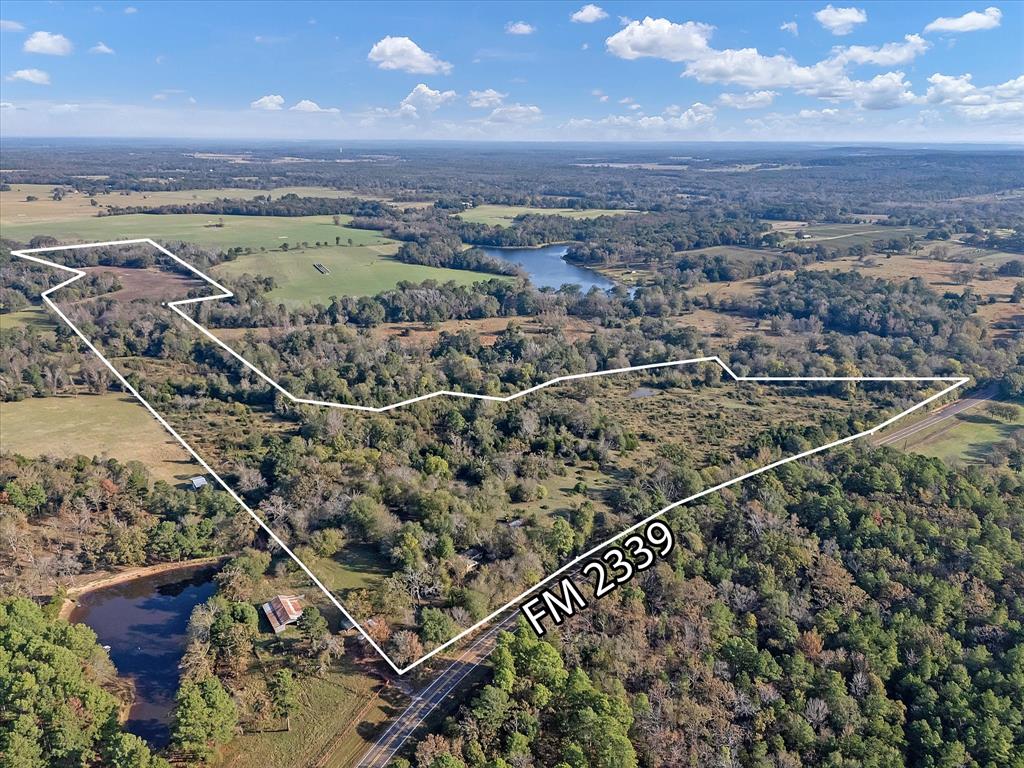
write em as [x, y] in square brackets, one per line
[911, 71]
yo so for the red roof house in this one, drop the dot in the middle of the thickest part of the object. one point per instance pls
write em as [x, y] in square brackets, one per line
[282, 611]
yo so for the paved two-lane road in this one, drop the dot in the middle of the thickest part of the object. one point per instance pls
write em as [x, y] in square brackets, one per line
[427, 699]
[965, 403]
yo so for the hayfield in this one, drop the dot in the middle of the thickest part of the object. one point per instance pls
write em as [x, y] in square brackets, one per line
[16, 210]
[354, 271]
[108, 425]
[216, 232]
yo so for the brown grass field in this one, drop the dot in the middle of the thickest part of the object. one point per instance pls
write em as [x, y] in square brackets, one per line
[108, 426]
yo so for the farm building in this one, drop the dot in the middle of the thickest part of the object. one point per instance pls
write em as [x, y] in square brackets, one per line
[197, 482]
[282, 611]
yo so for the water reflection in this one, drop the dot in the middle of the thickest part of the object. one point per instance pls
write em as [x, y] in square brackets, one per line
[144, 623]
[548, 269]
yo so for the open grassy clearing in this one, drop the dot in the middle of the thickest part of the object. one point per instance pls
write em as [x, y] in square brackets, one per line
[218, 232]
[37, 317]
[1003, 318]
[940, 275]
[781, 225]
[733, 254]
[355, 567]
[16, 210]
[502, 215]
[108, 425]
[354, 271]
[845, 235]
[967, 437]
[338, 718]
[152, 284]
[708, 423]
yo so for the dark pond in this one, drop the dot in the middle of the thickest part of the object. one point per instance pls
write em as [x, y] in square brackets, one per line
[547, 268]
[144, 622]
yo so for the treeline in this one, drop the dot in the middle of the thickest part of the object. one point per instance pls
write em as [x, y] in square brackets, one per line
[263, 205]
[63, 517]
[1014, 241]
[449, 252]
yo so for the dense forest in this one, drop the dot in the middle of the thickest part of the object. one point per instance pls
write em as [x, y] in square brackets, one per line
[860, 610]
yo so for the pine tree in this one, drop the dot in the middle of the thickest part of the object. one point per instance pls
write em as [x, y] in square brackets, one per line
[283, 695]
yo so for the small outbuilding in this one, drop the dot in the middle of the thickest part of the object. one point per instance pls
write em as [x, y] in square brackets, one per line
[197, 482]
[282, 611]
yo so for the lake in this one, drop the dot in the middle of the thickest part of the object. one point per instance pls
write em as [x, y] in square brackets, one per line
[144, 622]
[548, 269]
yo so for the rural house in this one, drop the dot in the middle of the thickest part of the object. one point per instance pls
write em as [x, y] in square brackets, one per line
[282, 611]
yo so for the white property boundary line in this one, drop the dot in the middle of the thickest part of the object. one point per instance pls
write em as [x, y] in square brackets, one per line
[954, 383]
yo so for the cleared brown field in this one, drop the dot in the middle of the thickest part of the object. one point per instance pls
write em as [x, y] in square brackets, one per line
[151, 283]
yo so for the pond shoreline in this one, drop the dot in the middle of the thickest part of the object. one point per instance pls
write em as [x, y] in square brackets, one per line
[547, 267]
[110, 579]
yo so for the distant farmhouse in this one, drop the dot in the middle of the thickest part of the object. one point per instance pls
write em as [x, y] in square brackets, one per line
[282, 611]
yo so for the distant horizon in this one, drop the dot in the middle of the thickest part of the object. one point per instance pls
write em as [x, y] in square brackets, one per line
[271, 141]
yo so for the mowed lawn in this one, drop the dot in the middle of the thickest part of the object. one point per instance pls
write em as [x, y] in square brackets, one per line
[109, 425]
[967, 437]
[354, 271]
[245, 231]
[502, 215]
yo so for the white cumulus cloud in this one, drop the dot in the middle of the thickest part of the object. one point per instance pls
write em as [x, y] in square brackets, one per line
[269, 103]
[50, 44]
[306, 105]
[791, 27]
[520, 114]
[977, 102]
[588, 14]
[35, 76]
[102, 47]
[7, 25]
[520, 28]
[486, 99]
[840, 21]
[751, 100]
[886, 55]
[403, 54]
[662, 39]
[973, 21]
[425, 98]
